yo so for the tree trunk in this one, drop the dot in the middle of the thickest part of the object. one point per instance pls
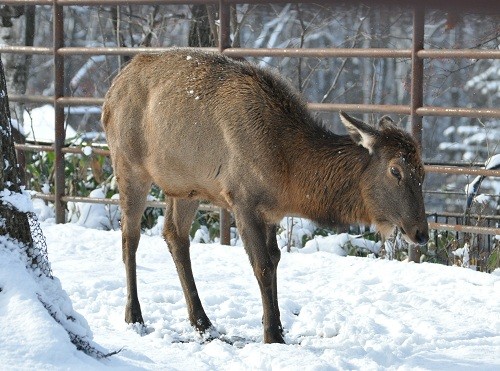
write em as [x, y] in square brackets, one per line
[13, 221]
[200, 33]
[18, 28]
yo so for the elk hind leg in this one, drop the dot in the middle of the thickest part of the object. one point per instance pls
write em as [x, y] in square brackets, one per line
[179, 216]
[133, 192]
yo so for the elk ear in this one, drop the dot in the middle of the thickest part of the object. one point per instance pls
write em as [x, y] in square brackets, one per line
[385, 122]
[361, 133]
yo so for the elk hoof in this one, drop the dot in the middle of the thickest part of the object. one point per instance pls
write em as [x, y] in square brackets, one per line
[209, 334]
[203, 326]
[133, 314]
[273, 338]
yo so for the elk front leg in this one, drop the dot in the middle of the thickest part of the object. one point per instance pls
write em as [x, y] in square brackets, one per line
[179, 216]
[264, 259]
[275, 254]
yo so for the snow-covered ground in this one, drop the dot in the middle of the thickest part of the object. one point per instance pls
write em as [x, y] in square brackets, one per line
[338, 312]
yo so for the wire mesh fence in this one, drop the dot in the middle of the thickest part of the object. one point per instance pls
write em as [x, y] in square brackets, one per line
[37, 254]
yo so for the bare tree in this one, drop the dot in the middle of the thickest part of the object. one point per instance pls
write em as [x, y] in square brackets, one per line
[203, 31]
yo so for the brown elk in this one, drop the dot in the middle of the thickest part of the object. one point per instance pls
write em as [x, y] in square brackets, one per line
[206, 127]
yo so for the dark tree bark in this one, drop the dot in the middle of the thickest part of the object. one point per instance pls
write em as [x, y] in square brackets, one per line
[18, 25]
[13, 222]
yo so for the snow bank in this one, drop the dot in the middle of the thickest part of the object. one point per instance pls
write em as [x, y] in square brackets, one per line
[339, 244]
[31, 338]
[338, 312]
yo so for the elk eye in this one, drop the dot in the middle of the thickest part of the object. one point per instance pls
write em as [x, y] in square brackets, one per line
[395, 172]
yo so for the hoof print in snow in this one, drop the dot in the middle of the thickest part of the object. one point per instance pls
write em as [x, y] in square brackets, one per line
[141, 328]
[236, 341]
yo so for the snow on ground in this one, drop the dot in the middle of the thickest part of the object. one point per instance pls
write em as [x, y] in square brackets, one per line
[338, 312]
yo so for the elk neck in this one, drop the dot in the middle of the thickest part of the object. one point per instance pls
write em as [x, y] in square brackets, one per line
[326, 176]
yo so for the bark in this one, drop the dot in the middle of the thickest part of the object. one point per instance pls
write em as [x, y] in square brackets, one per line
[12, 221]
[18, 25]
[200, 33]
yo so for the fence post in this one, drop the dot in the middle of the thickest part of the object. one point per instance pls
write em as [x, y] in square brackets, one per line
[60, 132]
[417, 93]
[417, 72]
[224, 42]
[225, 27]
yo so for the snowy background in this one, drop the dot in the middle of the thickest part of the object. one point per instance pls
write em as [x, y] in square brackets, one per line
[338, 312]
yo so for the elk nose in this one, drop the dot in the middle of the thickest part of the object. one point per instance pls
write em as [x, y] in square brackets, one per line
[421, 237]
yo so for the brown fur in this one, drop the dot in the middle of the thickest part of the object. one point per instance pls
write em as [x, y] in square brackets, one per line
[205, 127]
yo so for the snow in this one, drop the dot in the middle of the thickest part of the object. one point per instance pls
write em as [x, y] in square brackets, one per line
[46, 188]
[16, 126]
[87, 150]
[471, 189]
[486, 82]
[31, 339]
[20, 201]
[40, 125]
[94, 215]
[338, 312]
[493, 162]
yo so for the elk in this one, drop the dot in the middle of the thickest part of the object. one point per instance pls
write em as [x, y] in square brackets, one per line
[203, 126]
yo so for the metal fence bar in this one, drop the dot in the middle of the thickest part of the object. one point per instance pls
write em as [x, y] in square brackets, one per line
[232, 52]
[460, 170]
[440, 169]
[224, 43]
[111, 201]
[319, 52]
[47, 148]
[206, 207]
[464, 228]
[60, 131]
[417, 93]
[432, 225]
[27, 2]
[224, 26]
[461, 215]
[273, 52]
[101, 50]
[327, 107]
[458, 112]
[26, 49]
[459, 53]
[417, 72]
[31, 98]
[360, 108]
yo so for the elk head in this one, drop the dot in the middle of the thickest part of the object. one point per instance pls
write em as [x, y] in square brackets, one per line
[391, 186]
